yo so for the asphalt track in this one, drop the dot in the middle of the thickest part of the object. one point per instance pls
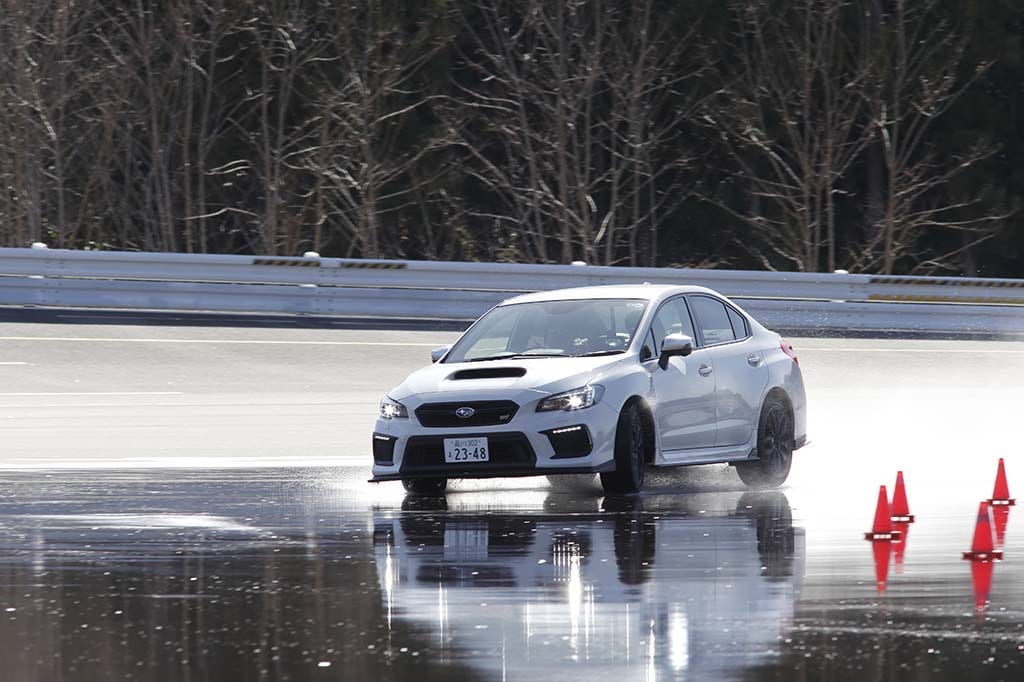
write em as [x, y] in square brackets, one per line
[189, 503]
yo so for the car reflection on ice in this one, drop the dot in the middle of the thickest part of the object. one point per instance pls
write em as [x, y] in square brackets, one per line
[704, 583]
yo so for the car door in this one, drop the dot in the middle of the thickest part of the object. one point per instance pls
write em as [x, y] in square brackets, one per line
[740, 370]
[684, 392]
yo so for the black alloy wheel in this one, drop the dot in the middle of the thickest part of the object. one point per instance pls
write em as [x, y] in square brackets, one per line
[425, 486]
[630, 460]
[774, 447]
[772, 518]
[634, 538]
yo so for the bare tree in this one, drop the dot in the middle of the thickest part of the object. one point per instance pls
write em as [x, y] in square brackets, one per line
[46, 42]
[491, 129]
[920, 62]
[654, 66]
[571, 119]
[19, 166]
[790, 117]
[364, 138]
[140, 109]
[288, 40]
[201, 28]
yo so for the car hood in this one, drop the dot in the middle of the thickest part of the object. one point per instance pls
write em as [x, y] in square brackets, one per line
[539, 376]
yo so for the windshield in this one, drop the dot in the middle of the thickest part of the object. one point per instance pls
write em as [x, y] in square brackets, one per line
[551, 329]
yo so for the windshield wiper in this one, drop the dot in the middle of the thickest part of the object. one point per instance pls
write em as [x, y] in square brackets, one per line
[508, 356]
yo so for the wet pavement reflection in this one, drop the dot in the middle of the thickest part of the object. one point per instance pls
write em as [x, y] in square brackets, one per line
[279, 574]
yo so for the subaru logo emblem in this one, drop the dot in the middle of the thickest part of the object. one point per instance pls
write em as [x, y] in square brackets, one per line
[465, 412]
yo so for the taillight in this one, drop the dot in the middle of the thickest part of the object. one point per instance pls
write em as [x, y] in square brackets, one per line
[787, 348]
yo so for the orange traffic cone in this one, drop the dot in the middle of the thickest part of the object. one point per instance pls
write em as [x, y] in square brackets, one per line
[900, 508]
[981, 547]
[981, 579]
[882, 550]
[1001, 494]
[1001, 517]
[899, 547]
[882, 528]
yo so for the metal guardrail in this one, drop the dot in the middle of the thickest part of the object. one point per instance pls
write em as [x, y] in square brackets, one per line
[461, 291]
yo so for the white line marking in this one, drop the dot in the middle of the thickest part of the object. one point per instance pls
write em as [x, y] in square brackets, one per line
[11, 364]
[220, 341]
[100, 393]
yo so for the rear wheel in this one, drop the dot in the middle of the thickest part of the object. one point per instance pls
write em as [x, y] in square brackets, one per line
[774, 447]
[773, 525]
[630, 461]
[425, 486]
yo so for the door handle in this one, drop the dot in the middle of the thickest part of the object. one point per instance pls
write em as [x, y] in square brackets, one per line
[753, 360]
[705, 370]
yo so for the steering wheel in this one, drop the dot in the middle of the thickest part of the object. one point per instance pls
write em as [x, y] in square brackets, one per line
[610, 341]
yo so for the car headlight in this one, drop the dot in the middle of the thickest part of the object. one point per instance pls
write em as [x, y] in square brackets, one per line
[576, 399]
[392, 409]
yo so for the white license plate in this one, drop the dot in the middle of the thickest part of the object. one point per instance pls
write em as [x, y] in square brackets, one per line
[465, 543]
[465, 450]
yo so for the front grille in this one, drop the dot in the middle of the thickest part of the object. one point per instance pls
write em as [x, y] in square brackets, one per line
[507, 452]
[466, 575]
[485, 413]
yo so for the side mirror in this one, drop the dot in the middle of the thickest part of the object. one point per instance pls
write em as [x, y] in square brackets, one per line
[438, 353]
[674, 345]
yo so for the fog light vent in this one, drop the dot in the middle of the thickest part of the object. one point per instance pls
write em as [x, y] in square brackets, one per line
[570, 441]
[383, 449]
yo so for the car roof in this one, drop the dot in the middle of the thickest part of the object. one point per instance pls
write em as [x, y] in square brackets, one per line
[646, 292]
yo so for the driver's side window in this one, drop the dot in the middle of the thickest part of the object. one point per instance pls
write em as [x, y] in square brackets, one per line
[673, 318]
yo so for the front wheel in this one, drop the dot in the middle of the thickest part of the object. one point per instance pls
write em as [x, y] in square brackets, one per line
[774, 447]
[630, 461]
[425, 486]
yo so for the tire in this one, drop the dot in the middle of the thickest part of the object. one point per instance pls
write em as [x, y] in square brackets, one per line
[635, 541]
[422, 503]
[425, 486]
[773, 524]
[630, 463]
[774, 447]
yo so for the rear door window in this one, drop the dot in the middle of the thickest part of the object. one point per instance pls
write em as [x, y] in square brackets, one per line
[739, 324]
[712, 320]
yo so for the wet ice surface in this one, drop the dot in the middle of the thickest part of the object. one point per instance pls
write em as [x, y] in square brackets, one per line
[295, 574]
[225, 574]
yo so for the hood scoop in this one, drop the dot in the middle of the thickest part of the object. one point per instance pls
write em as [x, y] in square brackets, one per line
[488, 373]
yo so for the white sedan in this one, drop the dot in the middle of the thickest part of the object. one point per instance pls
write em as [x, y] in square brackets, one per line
[608, 380]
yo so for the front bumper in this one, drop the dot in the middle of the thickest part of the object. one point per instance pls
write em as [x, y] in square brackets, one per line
[523, 447]
[510, 473]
